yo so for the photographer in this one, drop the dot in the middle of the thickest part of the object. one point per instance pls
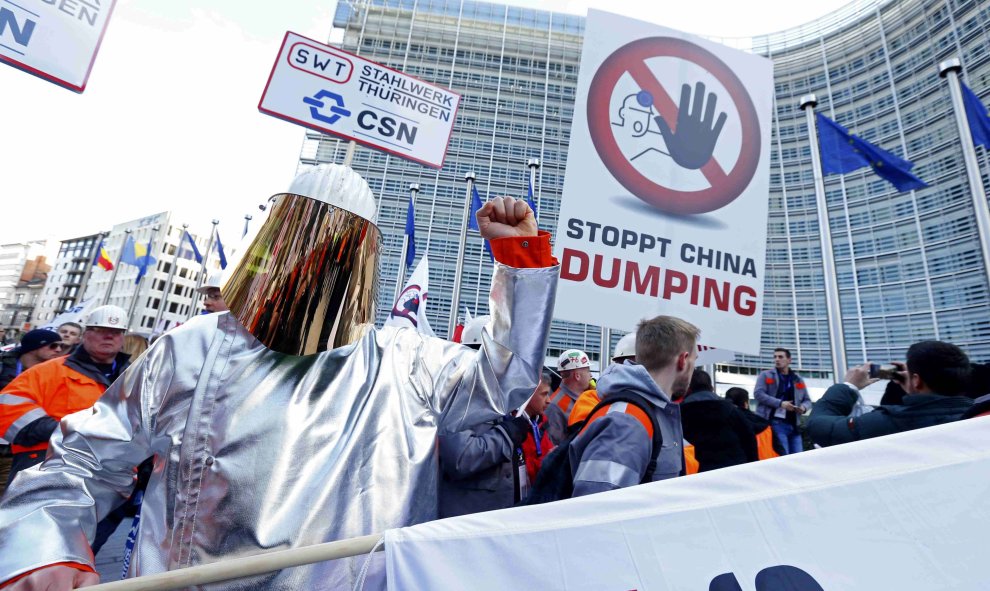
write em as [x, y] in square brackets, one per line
[935, 377]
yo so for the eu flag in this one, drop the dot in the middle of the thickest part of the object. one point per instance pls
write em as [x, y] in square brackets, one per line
[976, 114]
[530, 200]
[844, 152]
[473, 218]
[195, 250]
[410, 233]
[223, 256]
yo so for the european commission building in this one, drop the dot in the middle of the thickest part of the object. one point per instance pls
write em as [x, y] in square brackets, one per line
[908, 264]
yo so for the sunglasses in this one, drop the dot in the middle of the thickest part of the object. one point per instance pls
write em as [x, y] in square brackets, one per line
[56, 346]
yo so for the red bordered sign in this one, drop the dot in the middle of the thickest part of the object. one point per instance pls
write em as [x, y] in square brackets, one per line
[725, 186]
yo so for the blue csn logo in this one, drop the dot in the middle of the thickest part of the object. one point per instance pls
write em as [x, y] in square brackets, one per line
[774, 578]
[318, 108]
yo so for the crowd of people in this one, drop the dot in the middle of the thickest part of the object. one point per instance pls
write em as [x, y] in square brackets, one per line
[393, 429]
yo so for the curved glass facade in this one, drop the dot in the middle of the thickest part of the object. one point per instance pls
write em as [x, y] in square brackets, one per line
[908, 264]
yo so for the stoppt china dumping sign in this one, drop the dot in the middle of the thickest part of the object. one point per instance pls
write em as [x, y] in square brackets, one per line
[664, 207]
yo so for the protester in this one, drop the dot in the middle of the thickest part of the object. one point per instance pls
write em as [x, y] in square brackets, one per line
[471, 336]
[32, 405]
[134, 344]
[782, 397]
[71, 333]
[768, 446]
[575, 372]
[537, 444]
[719, 431]
[212, 298]
[615, 447]
[625, 350]
[36, 346]
[302, 425]
[935, 377]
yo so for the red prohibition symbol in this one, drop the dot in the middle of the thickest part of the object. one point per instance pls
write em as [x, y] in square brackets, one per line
[631, 58]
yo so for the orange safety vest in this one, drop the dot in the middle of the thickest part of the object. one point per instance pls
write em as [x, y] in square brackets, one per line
[585, 403]
[764, 445]
[691, 464]
[48, 388]
[628, 408]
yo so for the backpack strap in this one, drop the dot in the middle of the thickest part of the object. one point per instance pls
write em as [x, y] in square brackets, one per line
[641, 403]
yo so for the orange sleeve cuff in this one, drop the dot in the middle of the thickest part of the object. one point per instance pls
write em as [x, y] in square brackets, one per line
[75, 565]
[524, 252]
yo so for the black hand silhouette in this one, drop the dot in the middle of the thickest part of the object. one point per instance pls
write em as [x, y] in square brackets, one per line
[692, 145]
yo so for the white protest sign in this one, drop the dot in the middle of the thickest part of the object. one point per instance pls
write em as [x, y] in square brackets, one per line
[708, 355]
[54, 39]
[409, 310]
[904, 512]
[664, 207]
[330, 90]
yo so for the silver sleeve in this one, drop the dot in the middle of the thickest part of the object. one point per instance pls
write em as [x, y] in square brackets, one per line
[49, 513]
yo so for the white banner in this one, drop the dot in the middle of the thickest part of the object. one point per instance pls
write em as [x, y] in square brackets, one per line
[337, 92]
[74, 314]
[409, 309]
[664, 207]
[57, 41]
[905, 512]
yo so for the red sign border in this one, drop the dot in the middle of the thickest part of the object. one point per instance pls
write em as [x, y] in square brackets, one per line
[600, 127]
[56, 80]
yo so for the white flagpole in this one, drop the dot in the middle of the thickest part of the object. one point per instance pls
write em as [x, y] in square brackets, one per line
[168, 282]
[837, 344]
[455, 300]
[202, 270]
[605, 345]
[137, 284]
[401, 278]
[950, 70]
[116, 266]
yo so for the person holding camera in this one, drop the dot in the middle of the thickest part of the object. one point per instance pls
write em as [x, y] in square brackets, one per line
[935, 376]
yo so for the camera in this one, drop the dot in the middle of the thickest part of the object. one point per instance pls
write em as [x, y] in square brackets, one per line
[882, 372]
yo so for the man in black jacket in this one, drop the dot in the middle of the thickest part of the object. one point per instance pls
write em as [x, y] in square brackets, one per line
[935, 377]
[719, 431]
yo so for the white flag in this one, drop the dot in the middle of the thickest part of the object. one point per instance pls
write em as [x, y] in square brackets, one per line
[73, 314]
[410, 308]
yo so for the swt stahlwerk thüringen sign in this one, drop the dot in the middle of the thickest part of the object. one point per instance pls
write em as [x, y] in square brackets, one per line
[336, 92]
[55, 40]
[664, 207]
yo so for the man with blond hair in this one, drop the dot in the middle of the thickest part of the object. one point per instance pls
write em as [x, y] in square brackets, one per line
[635, 435]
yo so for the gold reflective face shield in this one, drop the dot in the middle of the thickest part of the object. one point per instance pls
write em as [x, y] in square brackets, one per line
[307, 283]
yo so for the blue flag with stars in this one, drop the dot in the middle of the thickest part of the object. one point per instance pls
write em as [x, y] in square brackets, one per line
[844, 152]
[976, 114]
[530, 200]
[195, 250]
[473, 218]
[410, 233]
[223, 255]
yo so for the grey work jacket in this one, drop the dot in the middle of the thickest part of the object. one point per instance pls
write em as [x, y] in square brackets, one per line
[256, 450]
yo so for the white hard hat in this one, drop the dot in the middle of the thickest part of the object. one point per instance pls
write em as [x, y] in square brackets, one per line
[573, 359]
[213, 280]
[473, 329]
[626, 347]
[107, 317]
[339, 186]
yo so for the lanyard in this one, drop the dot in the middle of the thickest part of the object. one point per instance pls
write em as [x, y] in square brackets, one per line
[536, 436]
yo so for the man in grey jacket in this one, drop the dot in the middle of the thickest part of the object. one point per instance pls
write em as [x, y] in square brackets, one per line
[614, 449]
[781, 398]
